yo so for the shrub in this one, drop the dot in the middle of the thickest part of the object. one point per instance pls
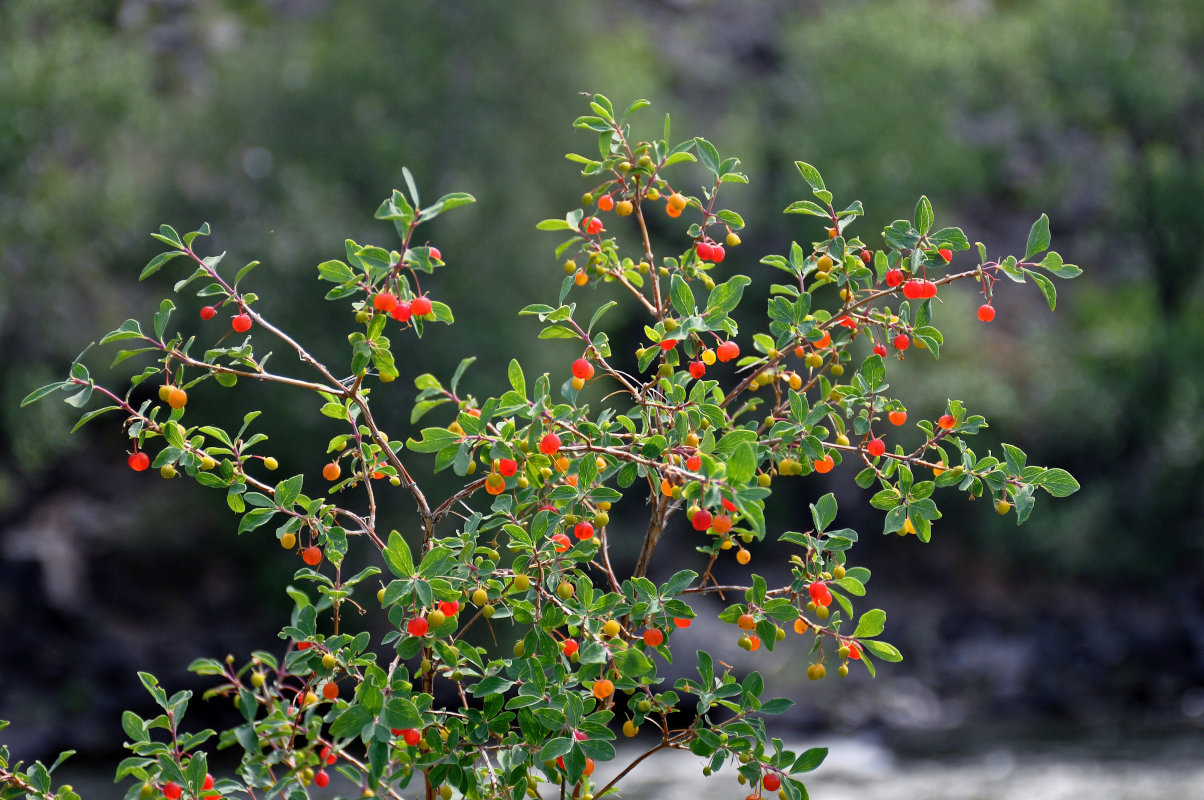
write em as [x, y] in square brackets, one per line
[701, 422]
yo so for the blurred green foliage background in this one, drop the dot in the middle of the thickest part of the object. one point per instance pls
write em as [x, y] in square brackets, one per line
[284, 123]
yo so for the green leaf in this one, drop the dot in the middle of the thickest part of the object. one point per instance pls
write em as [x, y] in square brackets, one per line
[923, 215]
[682, 297]
[351, 722]
[161, 317]
[724, 298]
[807, 207]
[884, 651]
[91, 415]
[809, 760]
[433, 440]
[335, 271]
[554, 225]
[1053, 263]
[558, 332]
[155, 263]
[742, 464]
[871, 624]
[445, 203]
[287, 491]
[708, 155]
[1058, 482]
[517, 380]
[810, 175]
[1038, 237]
[38, 394]
[824, 511]
[130, 329]
[1046, 286]
[874, 371]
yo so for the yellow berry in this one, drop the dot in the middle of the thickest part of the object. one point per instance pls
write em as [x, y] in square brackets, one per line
[271, 463]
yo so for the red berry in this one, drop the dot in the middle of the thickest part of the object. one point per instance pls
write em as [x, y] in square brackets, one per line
[946, 254]
[893, 277]
[321, 779]
[420, 306]
[704, 250]
[946, 421]
[402, 311]
[771, 782]
[418, 626]
[172, 790]
[569, 647]
[727, 351]
[875, 447]
[208, 783]
[718, 254]
[583, 369]
[681, 622]
[728, 504]
[819, 594]
[592, 225]
[434, 253]
[653, 637]
[583, 530]
[701, 519]
[138, 461]
[668, 344]
[693, 463]
[847, 322]
[986, 312]
[606, 202]
[561, 541]
[854, 651]
[507, 467]
[929, 290]
[824, 465]
[304, 645]
[241, 323]
[384, 301]
[880, 350]
[823, 342]
[312, 556]
[901, 342]
[697, 369]
[866, 256]
[913, 290]
[549, 444]
[327, 756]
[208, 312]
[449, 607]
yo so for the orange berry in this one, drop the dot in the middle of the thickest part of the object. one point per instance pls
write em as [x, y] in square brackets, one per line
[746, 622]
[721, 524]
[177, 398]
[495, 483]
[330, 690]
[897, 417]
[743, 556]
[603, 689]
[823, 465]
[312, 555]
[332, 471]
[653, 637]
[606, 202]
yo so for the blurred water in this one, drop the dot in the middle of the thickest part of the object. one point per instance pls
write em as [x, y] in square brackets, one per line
[863, 769]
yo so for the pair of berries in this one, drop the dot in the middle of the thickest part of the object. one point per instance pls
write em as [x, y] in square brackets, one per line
[241, 323]
[919, 289]
[710, 251]
[820, 595]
